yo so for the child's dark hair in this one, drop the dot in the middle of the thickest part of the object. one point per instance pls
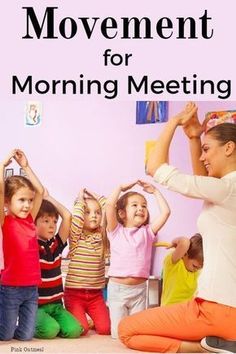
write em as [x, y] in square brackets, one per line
[122, 203]
[47, 208]
[223, 132]
[195, 250]
[14, 183]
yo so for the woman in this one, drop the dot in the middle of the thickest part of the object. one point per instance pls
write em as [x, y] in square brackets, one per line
[180, 327]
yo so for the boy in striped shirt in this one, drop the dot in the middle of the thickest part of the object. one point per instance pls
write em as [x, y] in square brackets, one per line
[52, 318]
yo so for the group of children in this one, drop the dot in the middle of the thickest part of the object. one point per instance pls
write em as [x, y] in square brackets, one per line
[31, 290]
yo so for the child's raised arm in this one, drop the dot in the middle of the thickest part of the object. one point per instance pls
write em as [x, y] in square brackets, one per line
[64, 228]
[4, 164]
[111, 205]
[21, 159]
[77, 222]
[181, 245]
[159, 221]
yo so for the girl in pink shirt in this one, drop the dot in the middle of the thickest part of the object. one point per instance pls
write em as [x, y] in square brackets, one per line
[131, 238]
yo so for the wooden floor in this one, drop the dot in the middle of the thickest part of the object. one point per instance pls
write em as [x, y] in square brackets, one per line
[91, 343]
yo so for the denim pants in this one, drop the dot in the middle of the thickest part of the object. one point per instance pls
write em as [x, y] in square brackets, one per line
[18, 303]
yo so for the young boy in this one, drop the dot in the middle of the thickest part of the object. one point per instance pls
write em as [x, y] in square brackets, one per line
[52, 318]
[181, 269]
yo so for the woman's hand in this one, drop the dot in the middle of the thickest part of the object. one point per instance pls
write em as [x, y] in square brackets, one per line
[193, 128]
[187, 114]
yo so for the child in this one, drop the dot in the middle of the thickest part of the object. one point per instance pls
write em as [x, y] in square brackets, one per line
[21, 274]
[86, 274]
[52, 319]
[131, 237]
[181, 270]
[1, 253]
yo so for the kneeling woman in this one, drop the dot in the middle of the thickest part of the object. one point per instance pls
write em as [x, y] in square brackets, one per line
[181, 327]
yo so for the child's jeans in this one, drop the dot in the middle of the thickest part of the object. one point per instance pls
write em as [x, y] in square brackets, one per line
[52, 320]
[18, 302]
[124, 300]
[90, 301]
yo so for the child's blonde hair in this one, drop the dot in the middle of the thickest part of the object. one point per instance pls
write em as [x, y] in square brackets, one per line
[14, 183]
[122, 203]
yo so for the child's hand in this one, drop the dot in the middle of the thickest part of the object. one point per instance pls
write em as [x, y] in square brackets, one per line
[171, 245]
[182, 240]
[147, 187]
[126, 187]
[21, 158]
[184, 117]
[174, 243]
[8, 160]
[88, 194]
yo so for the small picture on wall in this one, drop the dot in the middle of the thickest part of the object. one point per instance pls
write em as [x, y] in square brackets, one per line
[33, 113]
[9, 172]
[22, 172]
[218, 117]
[151, 112]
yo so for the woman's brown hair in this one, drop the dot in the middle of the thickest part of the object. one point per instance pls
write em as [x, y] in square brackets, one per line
[223, 132]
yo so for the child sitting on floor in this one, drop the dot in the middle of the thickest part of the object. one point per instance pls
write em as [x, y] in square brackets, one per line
[181, 270]
[52, 318]
[131, 237]
[86, 273]
[20, 200]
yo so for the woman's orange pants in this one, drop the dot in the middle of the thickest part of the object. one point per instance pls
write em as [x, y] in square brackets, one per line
[162, 329]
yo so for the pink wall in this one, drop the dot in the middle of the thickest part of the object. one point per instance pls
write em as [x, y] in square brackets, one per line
[97, 145]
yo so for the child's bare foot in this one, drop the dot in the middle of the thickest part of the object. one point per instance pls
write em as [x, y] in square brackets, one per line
[91, 324]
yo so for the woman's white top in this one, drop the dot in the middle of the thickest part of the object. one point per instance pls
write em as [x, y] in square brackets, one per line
[216, 224]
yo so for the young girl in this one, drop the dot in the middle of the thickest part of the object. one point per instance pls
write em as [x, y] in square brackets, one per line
[131, 239]
[21, 274]
[86, 274]
[1, 252]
